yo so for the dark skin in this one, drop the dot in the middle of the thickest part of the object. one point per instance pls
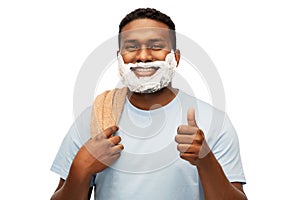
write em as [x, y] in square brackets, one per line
[160, 98]
[94, 156]
[146, 45]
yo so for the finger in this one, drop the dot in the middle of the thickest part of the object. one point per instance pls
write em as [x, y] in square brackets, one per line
[118, 148]
[189, 157]
[109, 131]
[186, 130]
[186, 148]
[196, 139]
[115, 139]
[186, 139]
[191, 117]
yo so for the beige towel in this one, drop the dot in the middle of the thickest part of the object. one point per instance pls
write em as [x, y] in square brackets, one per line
[107, 109]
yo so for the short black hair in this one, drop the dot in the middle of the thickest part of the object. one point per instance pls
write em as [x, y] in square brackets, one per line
[150, 13]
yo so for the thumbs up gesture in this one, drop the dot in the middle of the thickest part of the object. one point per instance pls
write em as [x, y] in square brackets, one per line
[191, 141]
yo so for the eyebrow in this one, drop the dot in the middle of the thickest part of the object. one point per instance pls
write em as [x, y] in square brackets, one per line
[151, 40]
[157, 40]
[130, 41]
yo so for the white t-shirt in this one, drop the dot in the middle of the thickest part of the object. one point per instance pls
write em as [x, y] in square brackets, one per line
[150, 166]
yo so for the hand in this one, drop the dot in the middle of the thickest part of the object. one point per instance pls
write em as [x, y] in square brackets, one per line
[191, 142]
[100, 151]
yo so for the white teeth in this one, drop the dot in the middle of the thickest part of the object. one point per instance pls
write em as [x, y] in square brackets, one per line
[144, 69]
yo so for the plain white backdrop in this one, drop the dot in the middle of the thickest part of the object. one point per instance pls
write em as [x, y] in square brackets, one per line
[255, 46]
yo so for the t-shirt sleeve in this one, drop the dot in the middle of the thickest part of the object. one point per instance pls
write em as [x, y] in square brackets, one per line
[227, 151]
[77, 135]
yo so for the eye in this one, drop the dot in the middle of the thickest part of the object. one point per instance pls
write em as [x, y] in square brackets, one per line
[131, 47]
[157, 46]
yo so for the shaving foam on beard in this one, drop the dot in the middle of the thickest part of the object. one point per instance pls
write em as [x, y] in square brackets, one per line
[148, 84]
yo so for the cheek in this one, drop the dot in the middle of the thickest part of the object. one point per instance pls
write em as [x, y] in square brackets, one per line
[159, 55]
[129, 57]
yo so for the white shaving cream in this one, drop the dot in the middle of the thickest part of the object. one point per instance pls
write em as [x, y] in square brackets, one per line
[147, 84]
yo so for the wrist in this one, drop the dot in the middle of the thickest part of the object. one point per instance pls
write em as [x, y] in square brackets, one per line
[82, 163]
[205, 160]
[80, 170]
[205, 154]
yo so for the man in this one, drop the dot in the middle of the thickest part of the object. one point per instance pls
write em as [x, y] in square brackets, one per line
[203, 163]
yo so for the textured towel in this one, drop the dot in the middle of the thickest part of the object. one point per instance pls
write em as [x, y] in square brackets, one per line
[107, 109]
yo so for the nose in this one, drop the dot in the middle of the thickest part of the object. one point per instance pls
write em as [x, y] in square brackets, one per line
[144, 55]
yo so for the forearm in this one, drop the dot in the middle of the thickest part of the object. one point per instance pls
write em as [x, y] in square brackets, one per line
[76, 186]
[214, 182]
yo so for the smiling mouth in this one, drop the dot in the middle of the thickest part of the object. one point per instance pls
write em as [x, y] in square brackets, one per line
[144, 71]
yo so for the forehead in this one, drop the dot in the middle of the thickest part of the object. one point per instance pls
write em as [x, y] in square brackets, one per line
[143, 29]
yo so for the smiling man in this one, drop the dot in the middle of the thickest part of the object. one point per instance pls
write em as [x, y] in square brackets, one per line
[162, 143]
[145, 47]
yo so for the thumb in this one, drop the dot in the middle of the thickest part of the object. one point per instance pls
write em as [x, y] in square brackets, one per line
[191, 117]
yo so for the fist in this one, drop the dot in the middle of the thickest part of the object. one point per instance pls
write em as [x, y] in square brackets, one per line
[100, 151]
[191, 141]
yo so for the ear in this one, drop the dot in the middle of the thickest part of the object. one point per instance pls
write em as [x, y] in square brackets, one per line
[118, 52]
[177, 56]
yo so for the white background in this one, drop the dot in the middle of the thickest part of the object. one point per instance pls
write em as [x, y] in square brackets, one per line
[255, 46]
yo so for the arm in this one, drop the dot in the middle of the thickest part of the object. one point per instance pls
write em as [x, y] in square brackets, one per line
[214, 182]
[76, 186]
[62, 181]
[193, 148]
[94, 156]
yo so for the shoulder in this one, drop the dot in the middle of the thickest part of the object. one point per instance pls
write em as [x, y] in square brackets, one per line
[80, 129]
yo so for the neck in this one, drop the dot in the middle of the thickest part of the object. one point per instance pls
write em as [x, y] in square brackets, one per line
[150, 101]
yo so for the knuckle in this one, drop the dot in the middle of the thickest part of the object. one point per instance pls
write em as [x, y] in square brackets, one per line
[98, 137]
[181, 128]
[200, 132]
[178, 147]
[177, 138]
[118, 138]
[109, 130]
[178, 129]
